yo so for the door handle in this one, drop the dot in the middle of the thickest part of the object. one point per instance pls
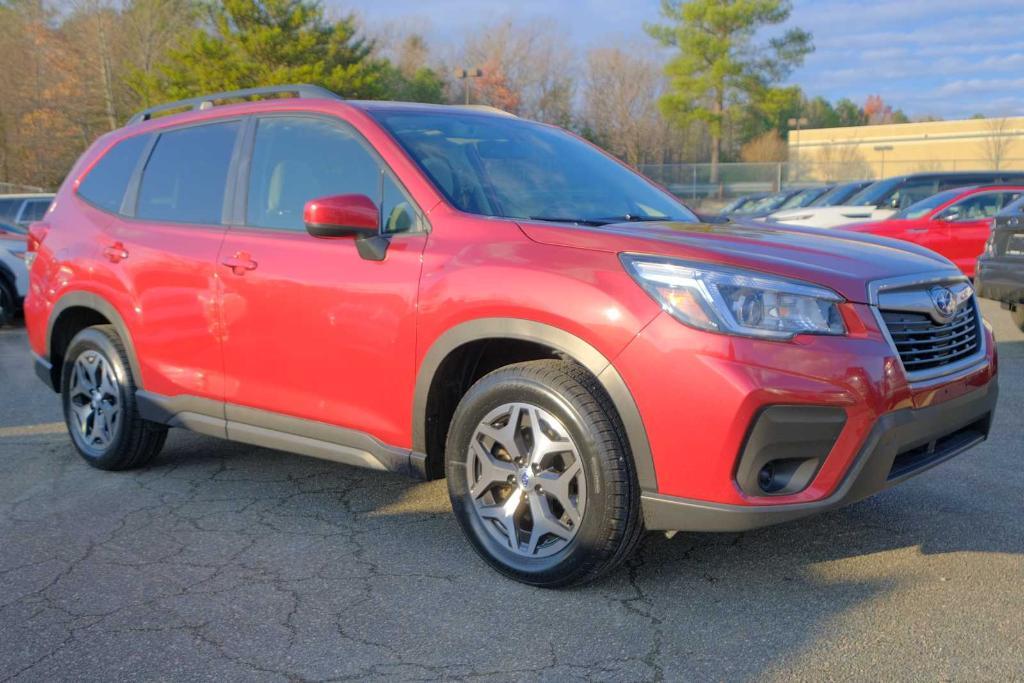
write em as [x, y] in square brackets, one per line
[239, 263]
[115, 253]
[917, 231]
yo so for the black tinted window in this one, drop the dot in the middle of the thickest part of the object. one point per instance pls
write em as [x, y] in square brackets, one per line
[296, 159]
[105, 184]
[186, 174]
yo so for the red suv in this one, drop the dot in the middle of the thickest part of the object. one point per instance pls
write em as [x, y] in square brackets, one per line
[455, 292]
[955, 223]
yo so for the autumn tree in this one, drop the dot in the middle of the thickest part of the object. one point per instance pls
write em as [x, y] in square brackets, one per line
[527, 69]
[718, 61]
[766, 147]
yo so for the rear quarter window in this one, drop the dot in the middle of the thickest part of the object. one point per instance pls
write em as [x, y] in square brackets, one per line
[105, 184]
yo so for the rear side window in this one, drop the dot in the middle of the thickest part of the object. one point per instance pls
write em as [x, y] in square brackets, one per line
[105, 184]
[187, 173]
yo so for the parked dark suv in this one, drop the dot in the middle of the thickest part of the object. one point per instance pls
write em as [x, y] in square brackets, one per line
[1000, 271]
[449, 292]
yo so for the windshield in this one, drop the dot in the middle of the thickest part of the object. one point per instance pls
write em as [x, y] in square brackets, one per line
[510, 168]
[838, 195]
[926, 206]
[802, 198]
[875, 193]
[1014, 208]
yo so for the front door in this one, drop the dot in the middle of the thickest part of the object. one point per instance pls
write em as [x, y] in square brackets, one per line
[312, 329]
[968, 223]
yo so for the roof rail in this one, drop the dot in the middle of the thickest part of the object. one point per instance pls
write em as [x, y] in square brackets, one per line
[304, 91]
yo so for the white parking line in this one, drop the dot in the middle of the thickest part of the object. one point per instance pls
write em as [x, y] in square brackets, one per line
[29, 430]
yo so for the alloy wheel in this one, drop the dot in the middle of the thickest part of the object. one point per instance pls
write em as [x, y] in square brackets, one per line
[95, 400]
[526, 479]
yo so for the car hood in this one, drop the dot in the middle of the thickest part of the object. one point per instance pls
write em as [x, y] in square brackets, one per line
[884, 226]
[843, 261]
[831, 216]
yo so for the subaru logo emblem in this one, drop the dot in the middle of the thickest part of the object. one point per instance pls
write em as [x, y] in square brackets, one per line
[945, 301]
[524, 479]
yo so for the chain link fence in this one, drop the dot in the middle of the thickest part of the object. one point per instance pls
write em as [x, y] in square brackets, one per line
[692, 182]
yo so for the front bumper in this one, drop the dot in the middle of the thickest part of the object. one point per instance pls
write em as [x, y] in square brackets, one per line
[1000, 279]
[902, 444]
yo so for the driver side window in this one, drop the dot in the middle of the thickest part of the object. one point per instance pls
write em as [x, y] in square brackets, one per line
[296, 159]
[974, 208]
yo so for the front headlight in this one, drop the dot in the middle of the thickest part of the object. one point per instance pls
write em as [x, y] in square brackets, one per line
[734, 301]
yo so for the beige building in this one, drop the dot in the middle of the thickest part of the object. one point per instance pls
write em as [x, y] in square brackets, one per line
[895, 149]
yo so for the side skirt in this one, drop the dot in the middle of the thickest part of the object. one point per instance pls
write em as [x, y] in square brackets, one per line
[277, 431]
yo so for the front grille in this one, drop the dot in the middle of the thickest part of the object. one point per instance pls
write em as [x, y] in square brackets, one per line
[924, 344]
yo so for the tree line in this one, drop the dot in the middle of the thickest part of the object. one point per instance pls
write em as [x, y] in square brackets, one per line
[71, 70]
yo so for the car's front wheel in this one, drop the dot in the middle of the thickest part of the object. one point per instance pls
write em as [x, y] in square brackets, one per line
[540, 476]
[98, 393]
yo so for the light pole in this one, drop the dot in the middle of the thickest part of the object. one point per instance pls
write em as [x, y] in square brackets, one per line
[882, 149]
[465, 75]
[797, 123]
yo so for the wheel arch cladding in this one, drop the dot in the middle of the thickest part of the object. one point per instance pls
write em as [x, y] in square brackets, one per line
[74, 312]
[454, 361]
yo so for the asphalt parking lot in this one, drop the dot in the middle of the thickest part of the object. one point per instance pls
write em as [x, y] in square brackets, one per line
[229, 562]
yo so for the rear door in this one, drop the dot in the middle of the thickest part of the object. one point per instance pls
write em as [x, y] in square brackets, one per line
[312, 330]
[164, 247]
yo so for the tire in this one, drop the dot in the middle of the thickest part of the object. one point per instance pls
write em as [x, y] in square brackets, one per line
[588, 494]
[98, 396]
[8, 302]
[1018, 316]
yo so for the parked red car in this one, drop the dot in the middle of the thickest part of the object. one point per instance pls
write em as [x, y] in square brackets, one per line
[955, 223]
[444, 291]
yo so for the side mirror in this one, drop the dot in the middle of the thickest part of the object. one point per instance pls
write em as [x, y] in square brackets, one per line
[348, 215]
[343, 215]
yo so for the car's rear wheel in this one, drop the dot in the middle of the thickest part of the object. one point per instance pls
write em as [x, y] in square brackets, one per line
[98, 394]
[540, 476]
[1018, 316]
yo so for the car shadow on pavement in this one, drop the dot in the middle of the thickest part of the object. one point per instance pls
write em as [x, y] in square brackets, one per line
[243, 563]
[247, 561]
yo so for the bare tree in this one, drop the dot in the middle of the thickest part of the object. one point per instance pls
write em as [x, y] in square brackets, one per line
[620, 104]
[527, 68]
[997, 142]
[838, 161]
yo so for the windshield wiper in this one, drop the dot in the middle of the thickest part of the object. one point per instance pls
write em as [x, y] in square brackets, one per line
[627, 218]
[569, 219]
[634, 218]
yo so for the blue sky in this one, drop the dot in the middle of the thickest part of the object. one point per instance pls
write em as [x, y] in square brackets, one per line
[949, 58]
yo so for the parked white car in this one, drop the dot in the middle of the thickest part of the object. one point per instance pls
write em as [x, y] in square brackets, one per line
[882, 199]
[13, 273]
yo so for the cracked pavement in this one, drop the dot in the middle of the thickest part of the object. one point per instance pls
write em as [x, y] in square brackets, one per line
[227, 562]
